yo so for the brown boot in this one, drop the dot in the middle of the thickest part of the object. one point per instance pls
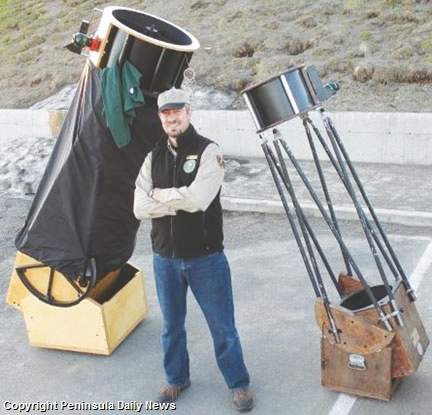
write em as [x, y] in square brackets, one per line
[243, 399]
[170, 393]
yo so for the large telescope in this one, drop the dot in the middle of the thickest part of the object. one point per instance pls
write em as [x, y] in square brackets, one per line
[372, 336]
[80, 230]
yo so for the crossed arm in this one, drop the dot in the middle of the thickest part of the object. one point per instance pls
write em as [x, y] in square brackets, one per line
[153, 202]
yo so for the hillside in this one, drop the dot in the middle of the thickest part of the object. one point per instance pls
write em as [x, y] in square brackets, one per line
[379, 50]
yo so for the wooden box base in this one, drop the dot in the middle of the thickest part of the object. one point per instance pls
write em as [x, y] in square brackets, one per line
[363, 375]
[367, 359]
[98, 324]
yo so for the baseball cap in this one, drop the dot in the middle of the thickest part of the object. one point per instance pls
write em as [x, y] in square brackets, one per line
[172, 99]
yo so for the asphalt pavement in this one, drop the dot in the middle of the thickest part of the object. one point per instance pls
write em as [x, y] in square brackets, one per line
[274, 310]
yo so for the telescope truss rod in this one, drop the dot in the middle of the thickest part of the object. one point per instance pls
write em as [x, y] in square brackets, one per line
[382, 316]
[302, 219]
[266, 150]
[317, 245]
[336, 166]
[304, 223]
[366, 226]
[325, 189]
[329, 124]
[320, 292]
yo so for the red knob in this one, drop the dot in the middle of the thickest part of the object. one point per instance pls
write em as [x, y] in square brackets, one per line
[94, 44]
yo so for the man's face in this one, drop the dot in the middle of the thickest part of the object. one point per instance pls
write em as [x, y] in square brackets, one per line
[175, 121]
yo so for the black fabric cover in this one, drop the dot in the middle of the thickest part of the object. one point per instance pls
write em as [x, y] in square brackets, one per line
[83, 207]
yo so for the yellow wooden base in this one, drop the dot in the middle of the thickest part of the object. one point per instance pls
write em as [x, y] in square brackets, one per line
[98, 324]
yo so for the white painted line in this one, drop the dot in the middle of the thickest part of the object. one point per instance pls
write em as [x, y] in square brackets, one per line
[344, 402]
[412, 237]
[422, 267]
[343, 405]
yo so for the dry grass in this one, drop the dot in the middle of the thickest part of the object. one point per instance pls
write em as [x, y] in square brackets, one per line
[246, 50]
[403, 74]
[243, 42]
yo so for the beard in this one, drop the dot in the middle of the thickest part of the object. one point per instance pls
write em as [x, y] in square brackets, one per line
[174, 130]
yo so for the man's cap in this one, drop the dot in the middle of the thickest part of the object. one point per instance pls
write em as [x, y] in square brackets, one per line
[172, 99]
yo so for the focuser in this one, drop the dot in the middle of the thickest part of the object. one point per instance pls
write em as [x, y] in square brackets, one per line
[81, 40]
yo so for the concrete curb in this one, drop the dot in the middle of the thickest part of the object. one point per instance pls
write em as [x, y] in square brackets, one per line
[390, 216]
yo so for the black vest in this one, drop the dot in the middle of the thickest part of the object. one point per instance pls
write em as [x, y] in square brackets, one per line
[187, 234]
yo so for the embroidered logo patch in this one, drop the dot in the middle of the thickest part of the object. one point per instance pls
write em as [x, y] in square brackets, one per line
[189, 166]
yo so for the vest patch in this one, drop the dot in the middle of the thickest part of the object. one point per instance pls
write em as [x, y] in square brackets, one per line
[189, 166]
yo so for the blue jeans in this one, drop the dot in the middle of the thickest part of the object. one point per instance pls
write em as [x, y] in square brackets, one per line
[209, 278]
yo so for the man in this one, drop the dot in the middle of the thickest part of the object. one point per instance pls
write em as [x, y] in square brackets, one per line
[178, 187]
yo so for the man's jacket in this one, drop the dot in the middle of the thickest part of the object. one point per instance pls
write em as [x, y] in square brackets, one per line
[180, 190]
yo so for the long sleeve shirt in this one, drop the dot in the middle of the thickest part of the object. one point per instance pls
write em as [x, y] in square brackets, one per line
[153, 202]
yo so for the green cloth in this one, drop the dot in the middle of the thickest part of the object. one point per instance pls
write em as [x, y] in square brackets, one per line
[121, 94]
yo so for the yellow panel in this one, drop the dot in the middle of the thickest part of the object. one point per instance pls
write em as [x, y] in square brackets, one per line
[124, 311]
[89, 326]
[78, 328]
